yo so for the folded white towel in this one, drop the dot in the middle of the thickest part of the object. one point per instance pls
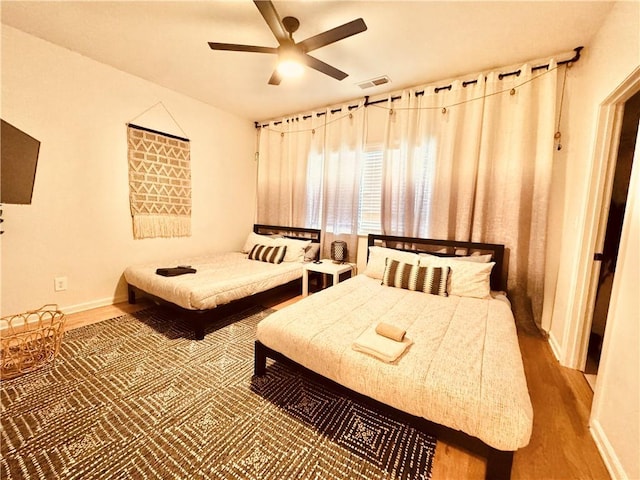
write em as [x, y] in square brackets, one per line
[380, 347]
[390, 331]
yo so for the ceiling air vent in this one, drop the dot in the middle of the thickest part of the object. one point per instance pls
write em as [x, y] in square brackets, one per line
[374, 82]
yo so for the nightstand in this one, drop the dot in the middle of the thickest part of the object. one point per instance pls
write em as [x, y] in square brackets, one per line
[326, 267]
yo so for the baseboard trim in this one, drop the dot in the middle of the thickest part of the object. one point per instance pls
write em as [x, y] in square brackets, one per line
[555, 346]
[103, 302]
[607, 452]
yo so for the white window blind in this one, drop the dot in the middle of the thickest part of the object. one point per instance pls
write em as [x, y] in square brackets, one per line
[370, 193]
[372, 183]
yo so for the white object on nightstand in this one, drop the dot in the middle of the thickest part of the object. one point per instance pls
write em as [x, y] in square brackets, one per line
[326, 266]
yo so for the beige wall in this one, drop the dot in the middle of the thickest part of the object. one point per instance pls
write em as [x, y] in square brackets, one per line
[609, 58]
[79, 223]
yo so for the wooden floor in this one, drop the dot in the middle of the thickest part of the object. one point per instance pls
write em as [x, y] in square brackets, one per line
[561, 446]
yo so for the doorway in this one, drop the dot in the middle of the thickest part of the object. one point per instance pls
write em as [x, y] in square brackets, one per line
[608, 254]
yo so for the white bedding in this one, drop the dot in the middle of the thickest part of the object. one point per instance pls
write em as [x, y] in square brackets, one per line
[220, 278]
[463, 370]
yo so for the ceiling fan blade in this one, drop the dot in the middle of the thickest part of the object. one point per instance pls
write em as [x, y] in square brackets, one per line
[333, 35]
[325, 68]
[268, 12]
[275, 78]
[241, 48]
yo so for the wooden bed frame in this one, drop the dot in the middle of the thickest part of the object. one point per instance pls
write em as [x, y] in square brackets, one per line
[200, 318]
[499, 462]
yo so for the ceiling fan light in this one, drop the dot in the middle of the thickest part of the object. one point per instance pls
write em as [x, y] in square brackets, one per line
[290, 68]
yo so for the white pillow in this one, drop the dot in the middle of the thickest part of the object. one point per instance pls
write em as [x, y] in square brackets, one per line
[311, 252]
[485, 258]
[295, 248]
[255, 239]
[378, 260]
[467, 278]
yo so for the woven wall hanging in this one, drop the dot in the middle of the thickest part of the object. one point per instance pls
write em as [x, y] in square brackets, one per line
[159, 183]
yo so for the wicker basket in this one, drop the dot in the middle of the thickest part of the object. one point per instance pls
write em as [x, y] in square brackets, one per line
[30, 340]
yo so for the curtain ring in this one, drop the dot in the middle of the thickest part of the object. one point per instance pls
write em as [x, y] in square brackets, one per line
[313, 131]
[391, 111]
[282, 134]
[350, 115]
[512, 92]
[444, 110]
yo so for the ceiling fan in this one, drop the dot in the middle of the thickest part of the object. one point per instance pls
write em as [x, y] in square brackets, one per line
[288, 49]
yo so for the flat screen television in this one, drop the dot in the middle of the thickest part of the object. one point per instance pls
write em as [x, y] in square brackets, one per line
[19, 158]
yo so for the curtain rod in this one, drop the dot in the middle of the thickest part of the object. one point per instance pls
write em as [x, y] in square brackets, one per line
[575, 58]
[157, 132]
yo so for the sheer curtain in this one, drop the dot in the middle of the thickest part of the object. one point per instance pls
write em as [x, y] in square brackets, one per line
[447, 143]
[514, 174]
[284, 150]
[473, 162]
[430, 160]
[342, 165]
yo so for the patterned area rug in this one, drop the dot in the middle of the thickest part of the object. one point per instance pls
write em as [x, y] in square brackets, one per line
[135, 397]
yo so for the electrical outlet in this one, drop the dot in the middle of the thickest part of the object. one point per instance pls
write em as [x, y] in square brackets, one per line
[60, 284]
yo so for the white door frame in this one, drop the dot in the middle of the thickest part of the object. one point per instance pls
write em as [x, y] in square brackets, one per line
[606, 151]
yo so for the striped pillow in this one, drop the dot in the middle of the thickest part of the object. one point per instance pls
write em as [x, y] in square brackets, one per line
[428, 279]
[266, 253]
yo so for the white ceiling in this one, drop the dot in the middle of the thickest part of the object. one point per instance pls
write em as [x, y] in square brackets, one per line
[413, 42]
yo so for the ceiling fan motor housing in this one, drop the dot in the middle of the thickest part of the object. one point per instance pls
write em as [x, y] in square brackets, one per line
[290, 24]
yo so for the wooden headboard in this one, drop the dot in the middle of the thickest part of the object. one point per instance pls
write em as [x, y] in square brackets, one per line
[289, 232]
[448, 248]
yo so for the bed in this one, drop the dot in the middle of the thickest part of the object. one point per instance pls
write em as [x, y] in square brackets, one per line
[222, 278]
[462, 368]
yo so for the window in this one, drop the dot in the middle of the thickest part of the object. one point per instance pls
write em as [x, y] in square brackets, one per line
[370, 204]
[376, 178]
[409, 190]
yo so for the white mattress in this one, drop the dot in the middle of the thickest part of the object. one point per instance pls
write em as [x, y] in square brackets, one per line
[464, 369]
[220, 278]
